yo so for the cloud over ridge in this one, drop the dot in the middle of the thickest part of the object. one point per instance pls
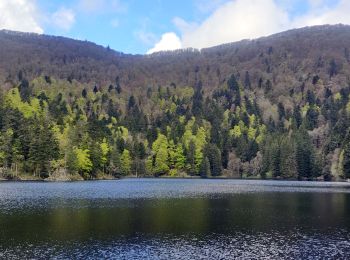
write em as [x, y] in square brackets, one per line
[19, 15]
[235, 20]
[169, 41]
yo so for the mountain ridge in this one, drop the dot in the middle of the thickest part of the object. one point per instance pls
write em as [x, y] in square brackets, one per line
[38, 55]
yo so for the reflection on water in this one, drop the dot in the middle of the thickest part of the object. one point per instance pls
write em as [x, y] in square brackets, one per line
[181, 219]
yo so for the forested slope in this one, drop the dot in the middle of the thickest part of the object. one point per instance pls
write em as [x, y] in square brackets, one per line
[275, 107]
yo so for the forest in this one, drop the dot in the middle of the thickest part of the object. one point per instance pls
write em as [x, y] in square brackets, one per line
[275, 107]
[51, 127]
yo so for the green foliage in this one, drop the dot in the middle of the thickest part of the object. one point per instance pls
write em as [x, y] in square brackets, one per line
[160, 154]
[28, 109]
[104, 151]
[83, 162]
[125, 162]
[179, 158]
[172, 130]
[161, 164]
[291, 156]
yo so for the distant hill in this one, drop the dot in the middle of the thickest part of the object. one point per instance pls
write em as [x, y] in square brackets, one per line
[287, 59]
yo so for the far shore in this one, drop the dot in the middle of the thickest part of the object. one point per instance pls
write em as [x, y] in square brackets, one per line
[74, 178]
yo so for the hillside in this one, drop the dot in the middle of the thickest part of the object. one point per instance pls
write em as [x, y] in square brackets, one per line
[286, 58]
[272, 107]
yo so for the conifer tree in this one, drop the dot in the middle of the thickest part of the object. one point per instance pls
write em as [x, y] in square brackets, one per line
[214, 156]
[204, 170]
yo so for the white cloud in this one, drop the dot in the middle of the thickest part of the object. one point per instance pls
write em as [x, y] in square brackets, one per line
[236, 20]
[63, 18]
[232, 21]
[248, 19]
[168, 41]
[19, 15]
[325, 15]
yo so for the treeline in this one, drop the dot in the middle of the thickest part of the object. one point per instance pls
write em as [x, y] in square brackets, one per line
[53, 126]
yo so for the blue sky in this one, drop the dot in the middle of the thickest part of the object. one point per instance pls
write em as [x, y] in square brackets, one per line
[134, 27]
[145, 26]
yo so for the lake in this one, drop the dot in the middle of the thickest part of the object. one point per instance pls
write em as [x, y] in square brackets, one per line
[175, 219]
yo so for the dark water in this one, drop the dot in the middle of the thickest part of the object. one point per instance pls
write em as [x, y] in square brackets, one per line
[175, 219]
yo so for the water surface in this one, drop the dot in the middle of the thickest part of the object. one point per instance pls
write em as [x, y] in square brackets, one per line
[175, 219]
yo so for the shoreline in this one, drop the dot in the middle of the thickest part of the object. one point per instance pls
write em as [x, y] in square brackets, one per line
[108, 177]
[66, 178]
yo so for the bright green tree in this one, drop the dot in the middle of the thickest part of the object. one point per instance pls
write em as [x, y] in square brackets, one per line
[161, 161]
[83, 161]
[125, 162]
[180, 159]
[160, 155]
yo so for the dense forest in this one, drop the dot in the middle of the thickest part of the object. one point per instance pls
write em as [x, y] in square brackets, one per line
[272, 113]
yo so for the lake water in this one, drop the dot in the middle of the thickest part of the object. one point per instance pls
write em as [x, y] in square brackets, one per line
[175, 219]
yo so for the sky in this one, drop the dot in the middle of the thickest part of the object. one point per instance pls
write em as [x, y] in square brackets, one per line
[148, 26]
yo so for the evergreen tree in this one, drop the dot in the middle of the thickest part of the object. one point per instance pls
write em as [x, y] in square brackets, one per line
[311, 119]
[214, 156]
[25, 90]
[288, 164]
[247, 80]
[131, 102]
[310, 97]
[333, 68]
[114, 161]
[204, 170]
[118, 88]
[346, 161]
[346, 155]
[197, 104]
[43, 148]
[191, 158]
[84, 93]
[276, 160]
[233, 84]
[304, 154]
[297, 119]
